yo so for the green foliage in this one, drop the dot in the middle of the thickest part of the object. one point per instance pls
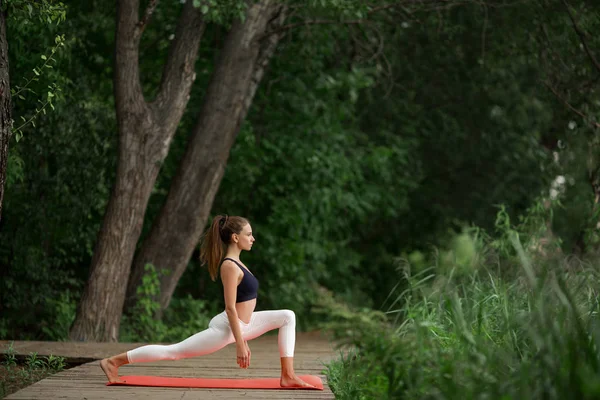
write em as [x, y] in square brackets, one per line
[58, 182]
[348, 323]
[15, 375]
[364, 141]
[15, 167]
[33, 361]
[27, 11]
[349, 383]
[55, 363]
[477, 125]
[533, 229]
[27, 17]
[184, 317]
[64, 307]
[313, 177]
[347, 156]
[49, 98]
[569, 75]
[577, 217]
[142, 325]
[10, 359]
[530, 334]
[338, 9]
[222, 12]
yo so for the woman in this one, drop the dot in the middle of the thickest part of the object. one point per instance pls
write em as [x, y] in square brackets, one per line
[222, 245]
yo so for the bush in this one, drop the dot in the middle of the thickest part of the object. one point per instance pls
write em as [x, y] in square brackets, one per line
[184, 316]
[523, 327]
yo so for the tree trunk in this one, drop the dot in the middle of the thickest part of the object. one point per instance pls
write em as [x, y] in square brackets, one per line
[178, 227]
[5, 104]
[145, 132]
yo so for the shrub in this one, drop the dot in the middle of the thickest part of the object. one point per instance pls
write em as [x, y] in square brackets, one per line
[184, 316]
[531, 333]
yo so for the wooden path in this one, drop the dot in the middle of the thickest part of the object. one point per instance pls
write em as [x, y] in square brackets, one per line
[87, 382]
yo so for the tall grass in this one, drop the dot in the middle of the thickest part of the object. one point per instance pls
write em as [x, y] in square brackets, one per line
[509, 326]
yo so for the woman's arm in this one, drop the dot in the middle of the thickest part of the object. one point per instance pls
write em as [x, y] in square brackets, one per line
[230, 275]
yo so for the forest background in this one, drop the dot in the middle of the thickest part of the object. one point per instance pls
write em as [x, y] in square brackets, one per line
[358, 138]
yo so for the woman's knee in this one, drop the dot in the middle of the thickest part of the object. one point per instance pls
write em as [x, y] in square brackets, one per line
[289, 317]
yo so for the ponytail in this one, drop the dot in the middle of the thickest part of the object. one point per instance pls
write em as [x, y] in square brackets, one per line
[218, 235]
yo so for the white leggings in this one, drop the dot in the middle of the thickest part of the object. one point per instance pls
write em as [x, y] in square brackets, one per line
[219, 335]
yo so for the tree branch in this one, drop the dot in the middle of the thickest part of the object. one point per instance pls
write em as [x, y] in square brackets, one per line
[385, 7]
[552, 49]
[266, 51]
[314, 22]
[148, 14]
[127, 38]
[328, 21]
[581, 35]
[595, 124]
[483, 32]
[426, 6]
[179, 71]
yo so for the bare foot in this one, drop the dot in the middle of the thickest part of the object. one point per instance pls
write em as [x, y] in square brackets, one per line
[110, 369]
[294, 382]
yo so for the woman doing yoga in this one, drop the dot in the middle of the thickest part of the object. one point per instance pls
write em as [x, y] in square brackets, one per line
[222, 245]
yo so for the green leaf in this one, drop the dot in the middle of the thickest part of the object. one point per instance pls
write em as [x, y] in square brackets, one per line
[204, 9]
[44, 57]
[35, 71]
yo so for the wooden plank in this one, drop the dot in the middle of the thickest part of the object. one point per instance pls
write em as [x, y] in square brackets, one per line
[88, 382]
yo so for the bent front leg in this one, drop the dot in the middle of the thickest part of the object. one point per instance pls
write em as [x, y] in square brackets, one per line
[264, 321]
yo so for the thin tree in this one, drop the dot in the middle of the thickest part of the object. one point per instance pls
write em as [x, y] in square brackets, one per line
[5, 103]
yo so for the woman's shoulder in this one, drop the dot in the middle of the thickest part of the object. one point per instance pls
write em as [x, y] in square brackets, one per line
[229, 265]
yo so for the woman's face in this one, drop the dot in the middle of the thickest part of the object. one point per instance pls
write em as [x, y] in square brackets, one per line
[245, 238]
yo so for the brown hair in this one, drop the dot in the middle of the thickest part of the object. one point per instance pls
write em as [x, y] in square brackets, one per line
[216, 238]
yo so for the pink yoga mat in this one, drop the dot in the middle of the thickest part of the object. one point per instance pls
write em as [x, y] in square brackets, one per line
[213, 383]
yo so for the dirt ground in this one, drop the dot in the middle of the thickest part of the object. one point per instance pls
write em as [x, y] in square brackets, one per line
[17, 377]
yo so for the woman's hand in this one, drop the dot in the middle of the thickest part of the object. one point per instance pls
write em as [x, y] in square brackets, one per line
[243, 354]
[249, 352]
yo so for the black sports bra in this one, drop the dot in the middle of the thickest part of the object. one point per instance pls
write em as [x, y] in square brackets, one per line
[248, 287]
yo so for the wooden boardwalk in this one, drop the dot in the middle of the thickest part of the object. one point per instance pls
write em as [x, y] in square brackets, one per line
[87, 381]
